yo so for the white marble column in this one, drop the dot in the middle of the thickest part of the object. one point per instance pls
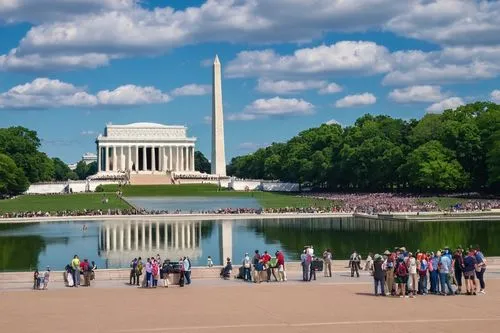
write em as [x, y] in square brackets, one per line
[158, 236]
[192, 158]
[177, 158]
[144, 159]
[129, 236]
[108, 241]
[136, 236]
[143, 236]
[153, 159]
[99, 157]
[121, 237]
[114, 238]
[136, 162]
[193, 233]
[129, 158]
[188, 236]
[150, 236]
[106, 159]
[176, 234]
[183, 236]
[162, 158]
[170, 158]
[114, 159]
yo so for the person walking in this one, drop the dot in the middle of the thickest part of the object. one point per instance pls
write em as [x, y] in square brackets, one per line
[46, 278]
[75, 265]
[355, 263]
[481, 268]
[327, 258]
[378, 274]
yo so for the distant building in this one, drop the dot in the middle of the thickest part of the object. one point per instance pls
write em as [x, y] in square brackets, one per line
[89, 158]
[72, 166]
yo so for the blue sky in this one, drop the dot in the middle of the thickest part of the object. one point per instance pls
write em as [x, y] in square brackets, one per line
[69, 67]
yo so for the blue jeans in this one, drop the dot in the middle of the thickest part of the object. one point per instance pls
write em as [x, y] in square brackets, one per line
[246, 274]
[305, 271]
[187, 276]
[378, 282]
[422, 284]
[149, 280]
[480, 277]
[434, 282]
[445, 282]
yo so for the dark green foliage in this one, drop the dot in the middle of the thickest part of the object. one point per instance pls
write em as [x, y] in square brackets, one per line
[201, 163]
[456, 150]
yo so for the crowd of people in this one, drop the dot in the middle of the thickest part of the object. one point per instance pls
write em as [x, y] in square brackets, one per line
[258, 268]
[79, 272]
[405, 274]
[376, 203]
[147, 274]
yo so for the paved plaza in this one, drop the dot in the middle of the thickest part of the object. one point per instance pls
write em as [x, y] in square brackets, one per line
[340, 304]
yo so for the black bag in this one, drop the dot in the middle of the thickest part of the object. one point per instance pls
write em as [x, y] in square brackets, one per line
[181, 280]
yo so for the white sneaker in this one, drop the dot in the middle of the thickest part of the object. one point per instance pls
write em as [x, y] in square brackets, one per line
[482, 292]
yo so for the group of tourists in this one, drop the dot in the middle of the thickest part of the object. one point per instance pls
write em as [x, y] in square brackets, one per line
[41, 281]
[406, 274]
[154, 270]
[79, 273]
[258, 268]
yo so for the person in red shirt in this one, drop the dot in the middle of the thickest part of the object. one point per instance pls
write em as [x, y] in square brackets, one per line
[84, 267]
[281, 266]
[265, 261]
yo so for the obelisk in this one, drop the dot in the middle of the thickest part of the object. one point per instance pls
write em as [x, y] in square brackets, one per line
[218, 151]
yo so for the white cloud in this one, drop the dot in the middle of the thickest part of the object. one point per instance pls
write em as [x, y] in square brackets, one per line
[449, 103]
[192, 90]
[495, 96]
[36, 11]
[450, 22]
[274, 107]
[88, 133]
[287, 87]
[343, 57]
[331, 88]
[416, 94]
[44, 93]
[350, 101]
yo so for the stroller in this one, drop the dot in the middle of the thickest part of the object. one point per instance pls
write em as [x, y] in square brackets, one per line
[225, 272]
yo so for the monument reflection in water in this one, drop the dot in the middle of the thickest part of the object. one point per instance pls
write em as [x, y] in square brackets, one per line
[112, 244]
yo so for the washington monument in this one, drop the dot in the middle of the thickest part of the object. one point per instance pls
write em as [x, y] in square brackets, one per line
[218, 152]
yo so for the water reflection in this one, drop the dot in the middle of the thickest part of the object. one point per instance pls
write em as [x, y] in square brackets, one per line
[113, 244]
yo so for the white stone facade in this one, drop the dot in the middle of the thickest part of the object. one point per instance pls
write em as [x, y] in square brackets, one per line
[145, 148]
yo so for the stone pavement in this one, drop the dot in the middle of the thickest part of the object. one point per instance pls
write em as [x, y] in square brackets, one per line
[340, 304]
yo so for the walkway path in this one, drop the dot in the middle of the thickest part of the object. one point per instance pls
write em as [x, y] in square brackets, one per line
[340, 304]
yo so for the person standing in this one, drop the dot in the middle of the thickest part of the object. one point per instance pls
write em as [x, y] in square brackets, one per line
[470, 265]
[266, 258]
[149, 271]
[155, 272]
[247, 267]
[412, 271]
[378, 274]
[36, 280]
[481, 268]
[281, 266]
[401, 272]
[355, 263]
[327, 258]
[138, 271]
[458, 268]
[133, 272]
[423, 267]
[389, 271]
[46, 278]
[75, 265]
[434, 273]
[444, 267]
[256, 267]
[305, 265]
[187, 270]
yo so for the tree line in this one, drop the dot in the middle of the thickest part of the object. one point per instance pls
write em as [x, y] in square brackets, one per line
[22, 163]
[452, 151]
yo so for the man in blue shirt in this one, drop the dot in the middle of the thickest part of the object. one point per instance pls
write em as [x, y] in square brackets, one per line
[444, 265]
[481, 265]
[434, 274]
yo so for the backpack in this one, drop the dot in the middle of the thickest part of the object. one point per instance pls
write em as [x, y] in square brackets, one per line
[139, 269]
[401, 270]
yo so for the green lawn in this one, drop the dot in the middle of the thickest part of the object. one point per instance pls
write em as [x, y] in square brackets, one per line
[61, 202]
[266, 199]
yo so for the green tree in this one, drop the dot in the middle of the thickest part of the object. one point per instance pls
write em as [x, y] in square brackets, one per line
[62, 171]
[12, 178]
[434, 167]
[201, 163]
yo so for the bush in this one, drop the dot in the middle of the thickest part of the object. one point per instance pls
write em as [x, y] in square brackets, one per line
[99, 188]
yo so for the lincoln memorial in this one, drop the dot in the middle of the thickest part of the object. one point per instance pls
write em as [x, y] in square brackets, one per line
[146, 148]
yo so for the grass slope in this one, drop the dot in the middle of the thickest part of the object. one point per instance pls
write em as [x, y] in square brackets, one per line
[62, 202]
[266, 199]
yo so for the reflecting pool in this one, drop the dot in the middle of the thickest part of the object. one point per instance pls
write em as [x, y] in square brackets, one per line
[112, 244]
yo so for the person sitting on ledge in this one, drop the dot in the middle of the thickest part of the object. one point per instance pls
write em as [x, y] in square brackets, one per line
[226, 271]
